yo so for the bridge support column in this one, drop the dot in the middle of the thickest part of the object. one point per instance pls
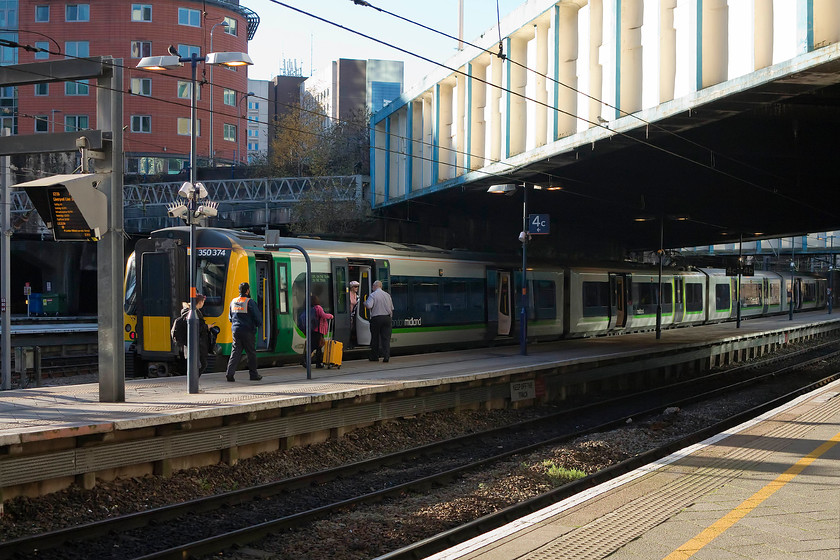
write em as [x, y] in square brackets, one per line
[762, 34]
[565, 69]
[478, 103]
[496, 108]
[541, 112]
[517, 122]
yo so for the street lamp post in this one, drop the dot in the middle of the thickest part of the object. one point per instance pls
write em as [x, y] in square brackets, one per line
[211, 153]
[509, 189]
[193, 191]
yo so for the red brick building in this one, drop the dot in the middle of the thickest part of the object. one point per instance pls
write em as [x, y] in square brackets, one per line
[156, 104]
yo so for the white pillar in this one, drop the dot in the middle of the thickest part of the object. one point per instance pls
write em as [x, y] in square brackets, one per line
[496, 109]
[478, 104]
[715, 42]
[445, 153]
[667, 50]
[541, 107]
[566, 51]
[596, 72]
[518, 79]
[461, 125]
[632, 17]
[763, 34]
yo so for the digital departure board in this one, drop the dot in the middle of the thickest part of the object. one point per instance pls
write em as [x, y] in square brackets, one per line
[68, 224]
[71, 205]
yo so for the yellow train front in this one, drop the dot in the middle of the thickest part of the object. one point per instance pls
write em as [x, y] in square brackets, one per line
[156, 288]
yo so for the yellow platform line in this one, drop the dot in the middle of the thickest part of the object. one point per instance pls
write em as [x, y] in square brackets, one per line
[693, 546]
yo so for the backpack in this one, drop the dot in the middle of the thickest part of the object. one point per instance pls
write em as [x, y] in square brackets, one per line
[315, 322]
[179, 330]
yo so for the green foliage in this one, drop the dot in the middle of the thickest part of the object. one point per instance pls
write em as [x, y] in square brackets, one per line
[560, 475]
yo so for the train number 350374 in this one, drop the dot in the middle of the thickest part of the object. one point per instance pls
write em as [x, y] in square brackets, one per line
[211, 252]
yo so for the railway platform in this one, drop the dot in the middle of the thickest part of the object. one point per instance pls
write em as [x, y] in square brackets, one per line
[766, 489]
[52, 437]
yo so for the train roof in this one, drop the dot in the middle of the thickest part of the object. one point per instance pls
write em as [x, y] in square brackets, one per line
[254, 241]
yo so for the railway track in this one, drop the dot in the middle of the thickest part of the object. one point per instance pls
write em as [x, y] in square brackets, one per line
[244, 516]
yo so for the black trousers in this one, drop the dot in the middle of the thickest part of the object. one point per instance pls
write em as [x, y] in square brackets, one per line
[243, 340]
[380, 337]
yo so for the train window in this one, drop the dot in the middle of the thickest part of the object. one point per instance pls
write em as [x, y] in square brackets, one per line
[341, 288]
[130, 303]
[212, 273]
[693, 297]
[544, 300]
[437, 301]
[751, 295]
[156, 285]
[722, 298]
[596, 298]
[320, 284]
[399, 294]
[646, 298]
[774, 293]
[282, 288]
[809, 292]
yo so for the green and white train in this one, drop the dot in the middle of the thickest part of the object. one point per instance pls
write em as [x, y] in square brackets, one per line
[442, 298]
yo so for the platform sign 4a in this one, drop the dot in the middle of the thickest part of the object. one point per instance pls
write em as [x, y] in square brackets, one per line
[538, 224]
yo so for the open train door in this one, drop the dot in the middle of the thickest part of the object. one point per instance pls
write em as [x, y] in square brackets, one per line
[361, 273]
[504, 302]
[162, 283]
[618, 301]
[262, 295]
[341, 300]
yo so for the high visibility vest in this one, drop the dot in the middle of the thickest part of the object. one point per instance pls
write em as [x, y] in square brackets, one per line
[239, 305]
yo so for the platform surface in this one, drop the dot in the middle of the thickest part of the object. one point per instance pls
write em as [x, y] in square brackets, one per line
[765, 490]
[48, 410]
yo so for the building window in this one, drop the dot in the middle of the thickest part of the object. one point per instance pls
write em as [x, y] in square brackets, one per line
[77, 49]
[141, 123]
[141, 12]
[72, 123]
[184, 126]
[230, 132]
[382, 93]
[253, 133]
[141, 86]
[176, 165]
[253, 146]
[42, 89]
[184, 88]
[42, 53]
[186, 51]
[77, 12]
[253, 105]
[79, 87]
[139, 49]
[230, 97]
[189, 17]
[231, 26]
[42, 14]
[42, 123]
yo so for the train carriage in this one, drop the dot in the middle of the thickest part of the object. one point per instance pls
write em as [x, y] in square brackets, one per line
[441, 298]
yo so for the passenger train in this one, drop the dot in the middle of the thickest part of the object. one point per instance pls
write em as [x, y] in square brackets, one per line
[441, 297]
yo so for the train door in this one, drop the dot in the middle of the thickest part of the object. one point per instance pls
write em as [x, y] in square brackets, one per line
[341, 300]
[678, 300]
[504, 302]
[362, 274]
[265, 303]
[162, 285]
[618, 300]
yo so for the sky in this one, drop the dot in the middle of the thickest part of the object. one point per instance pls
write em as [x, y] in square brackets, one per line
[285, 34]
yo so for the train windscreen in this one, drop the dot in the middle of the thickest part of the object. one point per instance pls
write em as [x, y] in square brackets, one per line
[212, 274]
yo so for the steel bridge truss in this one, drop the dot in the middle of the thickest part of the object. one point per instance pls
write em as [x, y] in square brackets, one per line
[242, 202]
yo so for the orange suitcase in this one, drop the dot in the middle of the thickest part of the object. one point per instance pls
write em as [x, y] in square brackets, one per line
[333, 352]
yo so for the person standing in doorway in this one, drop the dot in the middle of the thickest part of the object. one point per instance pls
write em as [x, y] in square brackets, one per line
[245, 319]
[354, 305]
[381, 311]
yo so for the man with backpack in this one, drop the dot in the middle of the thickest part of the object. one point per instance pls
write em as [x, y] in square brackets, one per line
[179, 333]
